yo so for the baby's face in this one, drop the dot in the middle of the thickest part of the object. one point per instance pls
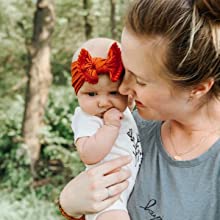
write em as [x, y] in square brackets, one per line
[96, 99]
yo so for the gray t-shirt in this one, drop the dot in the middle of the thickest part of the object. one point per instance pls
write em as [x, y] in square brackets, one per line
[174, 190]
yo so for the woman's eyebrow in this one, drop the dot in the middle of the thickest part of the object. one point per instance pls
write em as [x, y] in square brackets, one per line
[132, 73]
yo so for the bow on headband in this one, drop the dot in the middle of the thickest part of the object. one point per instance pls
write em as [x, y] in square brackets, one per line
[86, 68]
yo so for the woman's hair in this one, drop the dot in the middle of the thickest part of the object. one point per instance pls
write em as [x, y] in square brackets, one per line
[192, 30]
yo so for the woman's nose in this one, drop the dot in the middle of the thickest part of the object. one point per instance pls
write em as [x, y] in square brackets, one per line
[125, 87]
[122, 88]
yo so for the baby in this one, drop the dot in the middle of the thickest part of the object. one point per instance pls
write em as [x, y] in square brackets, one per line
[103, 126]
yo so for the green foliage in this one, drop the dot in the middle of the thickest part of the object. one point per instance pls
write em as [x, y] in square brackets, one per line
[56, 138]
[59, 161]
[29, 207]
[60, 108]
[12, 155]
[57, 146]
[67, 36]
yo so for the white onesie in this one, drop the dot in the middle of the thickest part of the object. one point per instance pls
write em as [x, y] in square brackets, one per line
[127, 143]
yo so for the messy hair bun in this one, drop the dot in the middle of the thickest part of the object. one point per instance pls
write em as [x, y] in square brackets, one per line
[209, 9]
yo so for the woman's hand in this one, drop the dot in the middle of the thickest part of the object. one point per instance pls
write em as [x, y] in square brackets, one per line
[89, 191]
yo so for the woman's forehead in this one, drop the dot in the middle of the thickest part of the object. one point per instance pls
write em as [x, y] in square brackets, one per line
[141, 54]
[143, 45]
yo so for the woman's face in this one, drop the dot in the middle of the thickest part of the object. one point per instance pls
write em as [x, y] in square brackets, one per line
[156, 98]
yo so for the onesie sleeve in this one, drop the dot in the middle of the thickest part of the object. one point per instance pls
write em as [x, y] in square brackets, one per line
[84, 125]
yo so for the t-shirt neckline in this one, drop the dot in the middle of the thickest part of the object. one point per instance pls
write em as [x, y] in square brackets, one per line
[185, 163]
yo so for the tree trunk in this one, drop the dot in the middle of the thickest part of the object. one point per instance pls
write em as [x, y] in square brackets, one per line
[112, 19]
[88, 26]
[39, 78]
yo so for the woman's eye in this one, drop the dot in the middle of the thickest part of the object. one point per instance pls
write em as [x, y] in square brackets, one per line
[114, 92]
[140, 83]
[92, 93]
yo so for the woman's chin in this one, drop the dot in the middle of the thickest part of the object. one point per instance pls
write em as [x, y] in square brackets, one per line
[142, 113]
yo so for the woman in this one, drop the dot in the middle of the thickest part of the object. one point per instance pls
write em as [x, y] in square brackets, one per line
[171, 53]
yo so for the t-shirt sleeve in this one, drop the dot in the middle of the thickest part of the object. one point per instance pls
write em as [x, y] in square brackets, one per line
[84, 125]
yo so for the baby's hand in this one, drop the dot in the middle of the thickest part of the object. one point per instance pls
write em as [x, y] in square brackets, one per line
[113, 117]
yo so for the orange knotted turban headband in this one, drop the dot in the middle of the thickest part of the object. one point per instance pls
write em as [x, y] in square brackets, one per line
[86, 68]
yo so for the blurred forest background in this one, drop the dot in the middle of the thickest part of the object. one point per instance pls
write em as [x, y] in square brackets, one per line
[37, 40]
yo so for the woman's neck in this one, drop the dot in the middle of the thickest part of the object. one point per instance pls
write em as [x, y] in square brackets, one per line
[189, 137]
[204, 119]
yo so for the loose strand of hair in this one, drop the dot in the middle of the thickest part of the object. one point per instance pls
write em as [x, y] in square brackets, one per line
[216, 37]
[195, 27]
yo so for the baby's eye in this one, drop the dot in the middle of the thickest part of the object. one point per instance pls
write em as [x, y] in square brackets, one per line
[114, 92]
[92, 93]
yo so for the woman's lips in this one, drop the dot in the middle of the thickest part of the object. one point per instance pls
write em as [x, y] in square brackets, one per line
[139, 104]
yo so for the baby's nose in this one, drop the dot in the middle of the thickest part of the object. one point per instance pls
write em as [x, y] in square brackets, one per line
[104, 102]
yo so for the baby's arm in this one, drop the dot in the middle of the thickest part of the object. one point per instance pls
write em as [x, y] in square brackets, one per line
[93, 149]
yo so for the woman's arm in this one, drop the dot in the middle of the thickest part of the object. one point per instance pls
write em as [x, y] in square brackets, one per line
[89, 191]
[93, 149]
